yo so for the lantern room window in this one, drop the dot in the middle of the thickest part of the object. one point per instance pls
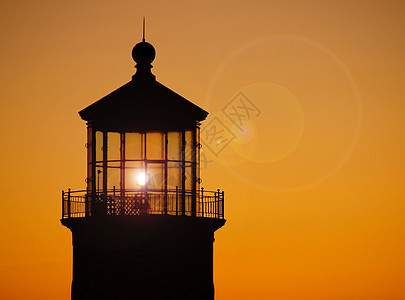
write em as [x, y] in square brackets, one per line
[158, 165]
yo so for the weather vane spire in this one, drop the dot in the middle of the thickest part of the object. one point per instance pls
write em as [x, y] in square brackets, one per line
[143, 30]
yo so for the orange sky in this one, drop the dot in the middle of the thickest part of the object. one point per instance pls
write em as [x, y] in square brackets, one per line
[314, 185]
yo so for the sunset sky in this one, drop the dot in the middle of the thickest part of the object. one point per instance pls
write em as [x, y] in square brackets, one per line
[314, 180]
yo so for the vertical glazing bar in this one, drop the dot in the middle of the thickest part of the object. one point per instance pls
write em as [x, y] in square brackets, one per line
[143, 156]
[148, 200]
[183, 172]
[93, 169]
[122, 165]
[105, 164]
[105, 157]
[198, 158]
[143, 151]
[90, 157]
[193, 172]
[165, 173]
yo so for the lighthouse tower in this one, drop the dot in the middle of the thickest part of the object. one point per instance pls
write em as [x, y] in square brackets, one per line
[144, 227]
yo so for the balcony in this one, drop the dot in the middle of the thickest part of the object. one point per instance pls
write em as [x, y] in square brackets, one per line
[201, 204]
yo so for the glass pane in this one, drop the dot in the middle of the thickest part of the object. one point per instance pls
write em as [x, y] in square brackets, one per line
[155, 176]
[173, 175]
[113, 178]
[174, 145]
[135, 176]
[134, 146]
[188, 204]
[99, 146]
[189, 146]
[155, 145]
[114, 145]
[99, 178]
[189, 177]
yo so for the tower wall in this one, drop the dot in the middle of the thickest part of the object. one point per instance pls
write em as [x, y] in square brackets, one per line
[143, 257]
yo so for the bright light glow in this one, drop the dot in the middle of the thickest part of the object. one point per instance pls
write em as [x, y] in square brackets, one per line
[141, 178]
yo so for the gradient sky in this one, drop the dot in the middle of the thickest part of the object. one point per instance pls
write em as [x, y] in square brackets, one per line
[314, 183]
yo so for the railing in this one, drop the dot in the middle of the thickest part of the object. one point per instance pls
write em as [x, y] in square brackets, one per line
[208, 204]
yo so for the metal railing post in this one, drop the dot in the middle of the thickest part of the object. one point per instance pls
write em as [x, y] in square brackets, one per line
[223, 204]
[86, 203]
[146, 197]
[63, 204]
[177, 200]
[68, 203]
[202, 202]
[217, 204]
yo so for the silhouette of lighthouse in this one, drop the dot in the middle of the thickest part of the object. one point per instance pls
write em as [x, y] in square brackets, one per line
[144, 227]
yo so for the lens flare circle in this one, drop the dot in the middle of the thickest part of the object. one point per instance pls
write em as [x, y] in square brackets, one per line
[257, 142]
[277, 131]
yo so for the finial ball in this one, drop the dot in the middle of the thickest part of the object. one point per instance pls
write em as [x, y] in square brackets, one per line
[143, 52]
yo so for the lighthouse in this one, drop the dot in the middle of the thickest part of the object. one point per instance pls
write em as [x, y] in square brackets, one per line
[143, 227]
